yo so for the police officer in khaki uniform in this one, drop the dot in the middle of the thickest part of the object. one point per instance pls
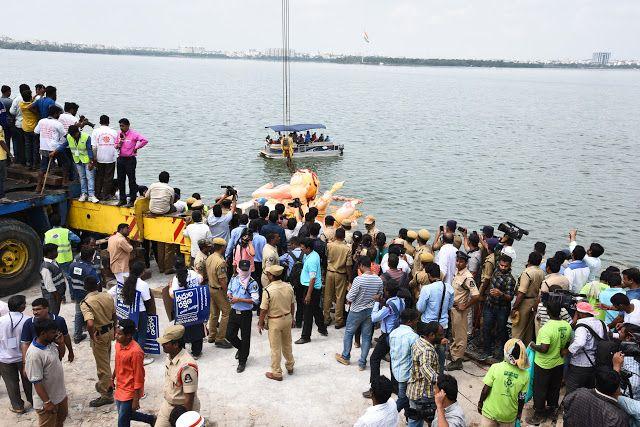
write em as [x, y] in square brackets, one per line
[421, 278]
[423, 247]
[278, 304]
[370, 225]
[180, 376]
[220, 307]
[98, 310]
[465, 295]
[526, 300]
[348, 234]
[328, 231]
[269, 255]
[339, 262]
[408, 243]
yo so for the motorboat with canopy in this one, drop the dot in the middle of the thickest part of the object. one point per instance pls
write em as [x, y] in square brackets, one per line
[308, 141]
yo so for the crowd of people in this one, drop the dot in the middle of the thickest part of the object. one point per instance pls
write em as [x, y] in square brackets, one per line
[37, 132]
[455, 298]
[564, 321]
[298, 138]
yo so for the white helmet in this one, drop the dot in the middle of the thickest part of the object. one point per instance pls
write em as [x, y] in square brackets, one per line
[190, 419]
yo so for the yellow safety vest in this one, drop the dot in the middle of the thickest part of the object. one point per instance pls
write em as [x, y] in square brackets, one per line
[60, 237]
[79, 148]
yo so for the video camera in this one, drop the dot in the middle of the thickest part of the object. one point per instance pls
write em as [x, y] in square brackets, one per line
[230, 190]
[512, 230]
[567, 299]
[296, 203]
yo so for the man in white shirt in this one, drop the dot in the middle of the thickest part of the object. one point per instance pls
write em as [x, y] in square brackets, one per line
[446, 258]
[52, 134]
[405, 261]
[196, 231]
[160, 195]
[592, 259]
[384, 412]
[577, 271]
[11, 363]
[103, 141]
[582, 368]
[68, 117]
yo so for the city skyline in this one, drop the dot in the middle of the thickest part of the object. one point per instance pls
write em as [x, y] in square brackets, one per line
[522, 30]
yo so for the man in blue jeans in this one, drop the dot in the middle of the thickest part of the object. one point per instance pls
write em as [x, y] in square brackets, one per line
[497, 307]
[128, 376]
[361, 295]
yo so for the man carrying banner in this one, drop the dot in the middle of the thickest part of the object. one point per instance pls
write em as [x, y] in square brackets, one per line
[180, 376]
[243, 293]
[220, 307]
[278, 303]
[99, 312]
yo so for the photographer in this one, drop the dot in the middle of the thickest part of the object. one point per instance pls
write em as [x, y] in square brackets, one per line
[630, 367]
[582, 363]
[219, 224]
[450, 227]
[497, 306]
[629, 405]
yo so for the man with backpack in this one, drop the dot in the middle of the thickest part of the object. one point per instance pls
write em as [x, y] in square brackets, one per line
[339, 272]
[589, 331]
[293, 259]
[386, 310]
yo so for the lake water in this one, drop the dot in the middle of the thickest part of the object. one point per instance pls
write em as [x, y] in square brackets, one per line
[545, 149]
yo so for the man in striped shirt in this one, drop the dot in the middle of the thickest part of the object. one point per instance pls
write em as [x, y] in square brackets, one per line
[424, 371]
[361, 296]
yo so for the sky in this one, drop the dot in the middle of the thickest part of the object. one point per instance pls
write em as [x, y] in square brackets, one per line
[485, 29]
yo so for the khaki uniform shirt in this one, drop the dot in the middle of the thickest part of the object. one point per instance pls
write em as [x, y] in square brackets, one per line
[269, 257]
[417, 265]
[464, 287]
[409, 249]
[200, 265]
[99, 307]
[338, 257]
[530, 280]
[216, 270]
[487, 267]
[277, 298]
[180, 377]
[328, 234]
[554, 279]
[373, 233]
[119, 249]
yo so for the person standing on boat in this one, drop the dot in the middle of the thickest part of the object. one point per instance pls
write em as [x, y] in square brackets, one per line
[307, 137]
[128, 143]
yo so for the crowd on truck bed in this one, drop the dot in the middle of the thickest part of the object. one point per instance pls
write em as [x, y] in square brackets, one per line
[38, 132]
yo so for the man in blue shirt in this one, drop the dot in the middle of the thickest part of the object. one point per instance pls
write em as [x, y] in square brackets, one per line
[400, 341]
[243, 293]
[258, 245]
[41, 106]
[79, 270]
[434, 302]
[311, 281]
[289, 259]
[388, 314]
[273, 227]
[243, 220]
[40, 309]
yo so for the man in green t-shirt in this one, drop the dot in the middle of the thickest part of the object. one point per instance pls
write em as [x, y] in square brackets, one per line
[592, 291]
[505, 385]
[551, 348]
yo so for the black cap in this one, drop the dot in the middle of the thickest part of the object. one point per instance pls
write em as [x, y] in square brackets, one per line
[244, 265]
[462, 255]
[487, 230]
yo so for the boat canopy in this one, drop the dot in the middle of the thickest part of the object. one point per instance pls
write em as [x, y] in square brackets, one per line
[295, 128]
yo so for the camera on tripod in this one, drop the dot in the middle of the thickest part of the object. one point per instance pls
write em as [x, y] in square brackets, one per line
[230, 190]
[512, 230]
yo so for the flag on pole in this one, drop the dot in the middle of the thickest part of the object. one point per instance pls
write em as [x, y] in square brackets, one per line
[366, 37]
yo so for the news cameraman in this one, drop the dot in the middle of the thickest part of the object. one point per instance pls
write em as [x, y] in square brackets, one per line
[630, 367]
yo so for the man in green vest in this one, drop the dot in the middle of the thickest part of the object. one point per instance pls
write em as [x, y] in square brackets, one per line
[80, 145]
[62, 238]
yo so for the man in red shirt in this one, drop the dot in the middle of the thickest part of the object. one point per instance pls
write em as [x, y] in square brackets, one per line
[128, 376]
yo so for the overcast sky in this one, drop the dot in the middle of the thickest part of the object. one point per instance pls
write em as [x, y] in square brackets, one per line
[510, 29]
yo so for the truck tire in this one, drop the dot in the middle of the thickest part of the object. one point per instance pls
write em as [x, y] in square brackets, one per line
[20, 256]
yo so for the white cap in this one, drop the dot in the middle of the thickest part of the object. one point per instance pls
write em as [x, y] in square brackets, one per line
[190, 419]
[510, 252]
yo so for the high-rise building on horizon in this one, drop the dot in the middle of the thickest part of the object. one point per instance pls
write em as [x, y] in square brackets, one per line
[600, 58]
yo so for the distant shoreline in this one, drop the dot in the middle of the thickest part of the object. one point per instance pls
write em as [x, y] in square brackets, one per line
[342, 59]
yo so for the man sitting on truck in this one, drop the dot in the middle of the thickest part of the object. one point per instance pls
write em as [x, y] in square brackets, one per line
[161, 195]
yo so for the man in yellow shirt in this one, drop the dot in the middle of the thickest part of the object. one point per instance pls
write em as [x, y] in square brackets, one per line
[5, 158]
